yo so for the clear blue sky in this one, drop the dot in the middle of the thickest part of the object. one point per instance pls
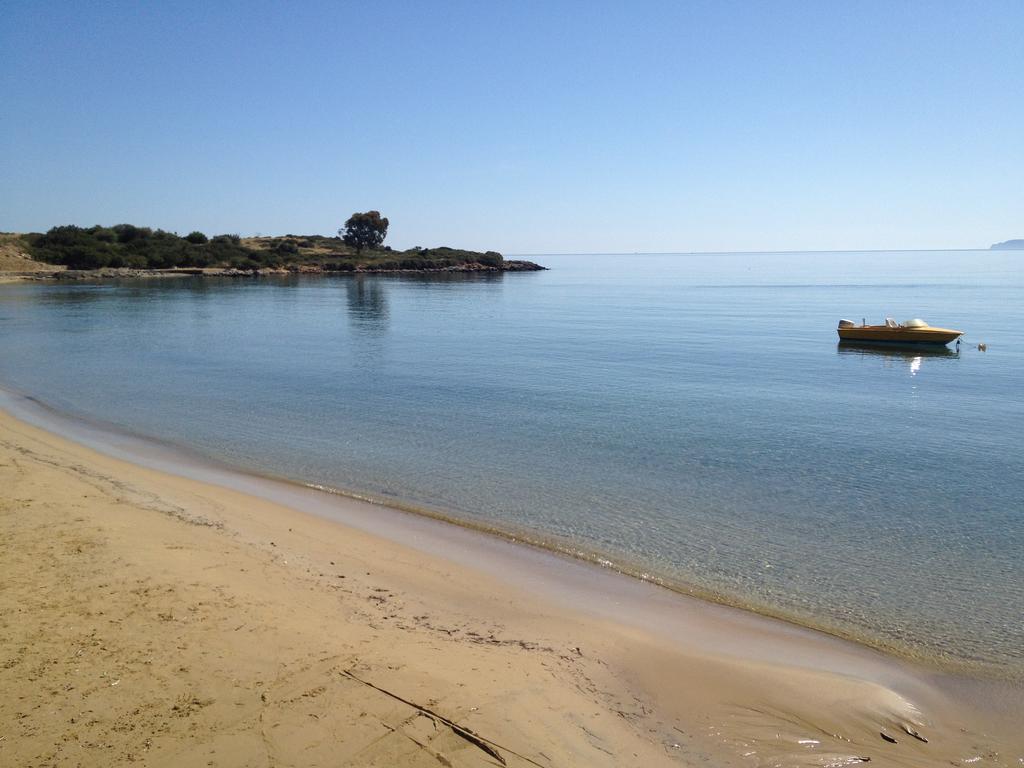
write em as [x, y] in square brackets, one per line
[523, 127]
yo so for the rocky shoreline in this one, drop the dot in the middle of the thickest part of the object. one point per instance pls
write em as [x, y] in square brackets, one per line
[123, 273]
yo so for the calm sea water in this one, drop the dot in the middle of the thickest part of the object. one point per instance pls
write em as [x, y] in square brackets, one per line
[686, 416]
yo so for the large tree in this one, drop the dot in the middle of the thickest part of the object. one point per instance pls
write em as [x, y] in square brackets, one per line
[364, 230]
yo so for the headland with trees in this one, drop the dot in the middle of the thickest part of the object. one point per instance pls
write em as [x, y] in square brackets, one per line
[358, 247]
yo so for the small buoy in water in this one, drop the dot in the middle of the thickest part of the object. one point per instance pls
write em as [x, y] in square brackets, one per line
[982, 347]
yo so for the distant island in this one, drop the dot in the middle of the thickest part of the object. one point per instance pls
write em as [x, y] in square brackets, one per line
[1008, 245]
[130, 250]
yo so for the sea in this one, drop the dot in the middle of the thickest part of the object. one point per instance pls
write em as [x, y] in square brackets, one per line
[689, 419]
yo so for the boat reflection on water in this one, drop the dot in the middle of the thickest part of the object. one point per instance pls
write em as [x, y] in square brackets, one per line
[890, 354]
[893, 350]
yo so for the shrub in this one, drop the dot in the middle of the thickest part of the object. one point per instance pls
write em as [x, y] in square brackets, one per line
[244, 262]
[127, 233]
[83, 257]
[491, 259]
[197, 238]
[285, 246]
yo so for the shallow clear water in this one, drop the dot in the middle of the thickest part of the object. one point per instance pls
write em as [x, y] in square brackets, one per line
[687, 416]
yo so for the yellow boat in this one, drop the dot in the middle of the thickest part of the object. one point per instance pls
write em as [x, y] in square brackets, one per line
[916, 332]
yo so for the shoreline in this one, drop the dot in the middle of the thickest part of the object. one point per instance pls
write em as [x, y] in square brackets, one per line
[192, 463]
[691, 664]
[61, 274]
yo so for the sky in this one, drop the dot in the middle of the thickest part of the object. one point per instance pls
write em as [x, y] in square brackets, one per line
[522, 127]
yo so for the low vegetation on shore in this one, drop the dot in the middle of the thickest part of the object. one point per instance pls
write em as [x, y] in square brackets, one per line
[357, 248]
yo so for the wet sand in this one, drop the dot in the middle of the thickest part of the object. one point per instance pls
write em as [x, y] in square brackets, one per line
[182, 614]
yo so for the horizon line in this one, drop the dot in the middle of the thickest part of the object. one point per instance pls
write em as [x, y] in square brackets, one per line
[766, 253]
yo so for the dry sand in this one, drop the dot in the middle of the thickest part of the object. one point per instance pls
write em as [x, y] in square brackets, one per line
[16, 264]
[150, 618]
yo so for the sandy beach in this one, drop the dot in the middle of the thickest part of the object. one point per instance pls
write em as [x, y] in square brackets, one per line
[408, 384]
[151, 618]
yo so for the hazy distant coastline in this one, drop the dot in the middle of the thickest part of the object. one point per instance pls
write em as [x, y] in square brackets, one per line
[1008, 245]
